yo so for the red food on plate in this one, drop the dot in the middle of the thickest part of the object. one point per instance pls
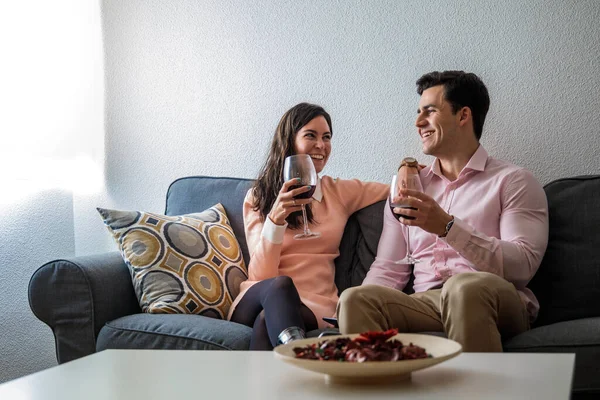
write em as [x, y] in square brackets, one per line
[369, 346]
[374, 336]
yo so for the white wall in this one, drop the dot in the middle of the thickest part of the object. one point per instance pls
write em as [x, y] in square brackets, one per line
[32, 232]
[197, 87]
[51, 156]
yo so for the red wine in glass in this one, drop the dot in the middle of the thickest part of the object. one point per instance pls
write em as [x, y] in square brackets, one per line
[409, 180]
[305, 195]
[392, 206]
[301, 167]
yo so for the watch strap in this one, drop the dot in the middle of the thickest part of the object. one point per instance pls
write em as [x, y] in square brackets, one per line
[448, 226]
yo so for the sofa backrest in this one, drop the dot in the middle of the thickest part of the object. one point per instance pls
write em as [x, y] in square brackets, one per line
[359, 242]
[197, 193]
[359, 246]
[567, 283]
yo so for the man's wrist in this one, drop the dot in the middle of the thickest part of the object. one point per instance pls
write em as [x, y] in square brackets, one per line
[448, 224]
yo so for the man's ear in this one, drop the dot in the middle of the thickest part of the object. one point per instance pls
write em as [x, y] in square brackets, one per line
[464, 116]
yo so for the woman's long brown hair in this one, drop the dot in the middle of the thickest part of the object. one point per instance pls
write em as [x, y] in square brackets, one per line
[270, 179]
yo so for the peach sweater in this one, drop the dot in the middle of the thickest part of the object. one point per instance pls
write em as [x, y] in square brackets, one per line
[274, 252]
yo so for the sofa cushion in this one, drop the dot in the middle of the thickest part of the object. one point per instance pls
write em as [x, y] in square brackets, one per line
[561, 335]
[581, 337]
[567, 283]
[196, 193]
[189, 264]
[173, 332]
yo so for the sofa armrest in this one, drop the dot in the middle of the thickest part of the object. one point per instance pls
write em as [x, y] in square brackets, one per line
[75, 297]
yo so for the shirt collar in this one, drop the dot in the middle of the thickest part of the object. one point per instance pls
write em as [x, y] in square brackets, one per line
[476, 163]
[318, 194]
[478, 160]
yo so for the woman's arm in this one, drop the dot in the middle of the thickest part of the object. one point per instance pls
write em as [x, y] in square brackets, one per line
[265, 240]
[355, 194]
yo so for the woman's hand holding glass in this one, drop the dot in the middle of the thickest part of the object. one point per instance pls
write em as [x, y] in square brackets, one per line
[301, 166]
[285, 204]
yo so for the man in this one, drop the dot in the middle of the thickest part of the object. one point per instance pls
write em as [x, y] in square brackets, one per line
[480, 231]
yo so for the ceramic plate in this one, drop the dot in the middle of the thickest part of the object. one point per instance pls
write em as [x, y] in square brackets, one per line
[440, 349]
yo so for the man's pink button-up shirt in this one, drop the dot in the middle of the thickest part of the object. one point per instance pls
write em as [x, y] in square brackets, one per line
[500, 226]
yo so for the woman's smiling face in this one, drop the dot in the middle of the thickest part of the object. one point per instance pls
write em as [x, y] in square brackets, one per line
[314, 139]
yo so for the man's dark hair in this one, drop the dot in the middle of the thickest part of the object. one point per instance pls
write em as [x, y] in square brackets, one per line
[461, 89]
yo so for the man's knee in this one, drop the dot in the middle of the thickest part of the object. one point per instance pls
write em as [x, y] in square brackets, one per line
[470, 287]
[356, 298]
[359, 309]
[350, 297]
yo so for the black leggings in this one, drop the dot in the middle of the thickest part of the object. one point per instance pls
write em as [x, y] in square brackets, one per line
[269, 307]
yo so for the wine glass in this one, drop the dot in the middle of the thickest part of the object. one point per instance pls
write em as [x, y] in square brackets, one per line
[410, 180]
[301, 166]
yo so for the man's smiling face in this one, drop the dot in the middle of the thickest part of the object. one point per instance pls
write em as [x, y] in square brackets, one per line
[436, 123]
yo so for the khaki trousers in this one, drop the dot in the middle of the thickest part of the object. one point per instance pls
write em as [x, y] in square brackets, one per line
[476, 309]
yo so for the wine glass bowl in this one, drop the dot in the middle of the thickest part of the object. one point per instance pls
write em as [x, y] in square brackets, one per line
[300, 166]
[405, 179]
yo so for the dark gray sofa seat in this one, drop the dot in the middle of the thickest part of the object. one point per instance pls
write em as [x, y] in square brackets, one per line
[580, 336]
[90, 305]
[173, 331]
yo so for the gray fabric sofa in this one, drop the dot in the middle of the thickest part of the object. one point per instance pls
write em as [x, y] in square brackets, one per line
[90, 305]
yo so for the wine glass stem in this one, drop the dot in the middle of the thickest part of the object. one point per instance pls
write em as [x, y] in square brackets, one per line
[304, 219]
[408, 256]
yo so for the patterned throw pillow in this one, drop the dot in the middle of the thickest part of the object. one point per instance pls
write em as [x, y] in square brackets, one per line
[188, 264]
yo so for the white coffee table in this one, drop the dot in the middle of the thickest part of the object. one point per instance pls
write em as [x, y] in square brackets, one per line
[211, 375]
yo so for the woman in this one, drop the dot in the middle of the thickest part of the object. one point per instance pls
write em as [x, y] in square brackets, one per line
[290, 285]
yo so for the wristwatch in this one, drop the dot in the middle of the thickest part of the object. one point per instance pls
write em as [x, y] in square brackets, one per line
[448, 226]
